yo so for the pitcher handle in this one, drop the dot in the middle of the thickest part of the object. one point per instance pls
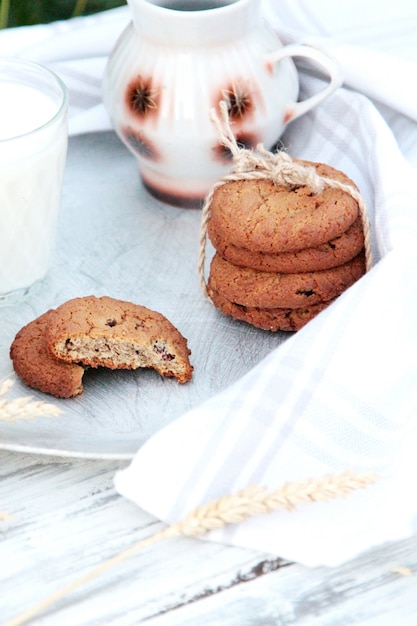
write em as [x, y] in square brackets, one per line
[324, 60]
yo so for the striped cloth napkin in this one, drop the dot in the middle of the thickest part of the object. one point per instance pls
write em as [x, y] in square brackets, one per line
[341, 393]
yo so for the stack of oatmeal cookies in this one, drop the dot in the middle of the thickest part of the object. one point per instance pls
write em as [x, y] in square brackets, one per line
[283, 254]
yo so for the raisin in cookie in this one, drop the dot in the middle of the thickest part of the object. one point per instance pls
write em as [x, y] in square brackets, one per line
[34, 365]
[117, 335]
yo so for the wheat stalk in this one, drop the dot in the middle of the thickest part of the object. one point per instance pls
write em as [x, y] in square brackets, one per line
[230, 509]
[256, 500]
[23, 408]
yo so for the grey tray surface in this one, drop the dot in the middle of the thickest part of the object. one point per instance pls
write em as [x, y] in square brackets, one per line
[116, 240]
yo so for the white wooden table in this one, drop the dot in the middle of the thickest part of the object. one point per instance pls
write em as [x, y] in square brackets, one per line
[65, 518]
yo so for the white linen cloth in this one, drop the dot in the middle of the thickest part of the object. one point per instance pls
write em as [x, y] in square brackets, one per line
[342, 392]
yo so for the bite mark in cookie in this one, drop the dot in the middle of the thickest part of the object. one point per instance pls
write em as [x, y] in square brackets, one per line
[105, 332]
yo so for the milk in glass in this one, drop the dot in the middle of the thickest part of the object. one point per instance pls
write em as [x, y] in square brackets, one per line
[33, 145]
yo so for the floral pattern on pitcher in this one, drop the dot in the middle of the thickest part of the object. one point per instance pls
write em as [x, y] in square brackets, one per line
[178, 60]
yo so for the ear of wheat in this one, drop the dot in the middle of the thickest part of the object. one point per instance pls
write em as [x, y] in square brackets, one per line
[256, 500]
[23, 408]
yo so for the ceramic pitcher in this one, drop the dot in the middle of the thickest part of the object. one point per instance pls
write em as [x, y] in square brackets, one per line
[175, 62]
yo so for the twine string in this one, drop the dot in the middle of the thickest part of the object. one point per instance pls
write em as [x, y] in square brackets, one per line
[278, 167]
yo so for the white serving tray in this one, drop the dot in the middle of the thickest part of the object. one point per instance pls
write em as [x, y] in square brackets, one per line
[114, 239]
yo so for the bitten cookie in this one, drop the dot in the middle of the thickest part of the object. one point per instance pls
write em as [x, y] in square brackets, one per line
[259, 216]
[339, 250]
[117, 335]
[270, 290]
[284, 319]
[34, 365]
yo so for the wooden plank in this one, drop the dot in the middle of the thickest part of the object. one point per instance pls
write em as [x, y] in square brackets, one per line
[66, 518]
[377, 589]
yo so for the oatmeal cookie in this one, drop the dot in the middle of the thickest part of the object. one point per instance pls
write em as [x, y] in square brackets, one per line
[332, 253]
[284, 319]
[105, 332]
[34, 365]
[249, 287]
[262, 217]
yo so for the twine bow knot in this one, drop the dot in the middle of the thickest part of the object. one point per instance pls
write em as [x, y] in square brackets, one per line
[278, 167]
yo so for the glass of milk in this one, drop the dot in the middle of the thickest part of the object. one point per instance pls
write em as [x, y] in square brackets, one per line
[33, 147]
